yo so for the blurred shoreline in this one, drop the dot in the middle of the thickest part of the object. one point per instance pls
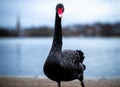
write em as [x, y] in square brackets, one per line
[94, 30]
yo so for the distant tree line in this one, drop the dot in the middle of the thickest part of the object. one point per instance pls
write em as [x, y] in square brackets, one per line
[97, 29]
[6, 32]
[39, 31]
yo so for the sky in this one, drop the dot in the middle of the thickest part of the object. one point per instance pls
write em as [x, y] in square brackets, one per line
[34, 13]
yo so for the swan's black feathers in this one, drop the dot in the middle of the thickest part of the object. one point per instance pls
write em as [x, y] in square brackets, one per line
[63, 65]
[81, 54]
[71, 59]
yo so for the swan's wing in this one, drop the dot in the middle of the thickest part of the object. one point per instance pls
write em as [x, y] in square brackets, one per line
[72, 59]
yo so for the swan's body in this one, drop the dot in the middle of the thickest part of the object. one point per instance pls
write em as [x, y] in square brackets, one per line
[63, 65]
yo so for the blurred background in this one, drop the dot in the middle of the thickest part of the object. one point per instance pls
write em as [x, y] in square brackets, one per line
[26, 30]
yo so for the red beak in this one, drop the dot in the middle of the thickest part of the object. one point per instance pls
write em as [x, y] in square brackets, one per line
[60, 11]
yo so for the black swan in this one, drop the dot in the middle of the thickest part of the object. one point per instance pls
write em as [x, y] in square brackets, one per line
[63, 65]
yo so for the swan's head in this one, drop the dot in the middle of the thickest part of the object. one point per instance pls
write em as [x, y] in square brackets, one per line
[60, 9]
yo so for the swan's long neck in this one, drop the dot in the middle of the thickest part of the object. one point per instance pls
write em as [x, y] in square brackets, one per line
[57, 39]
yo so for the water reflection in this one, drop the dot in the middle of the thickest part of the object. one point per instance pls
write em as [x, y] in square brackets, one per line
[25, 57]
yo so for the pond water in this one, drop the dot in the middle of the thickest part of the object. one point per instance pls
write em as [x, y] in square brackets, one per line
[26, 56]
